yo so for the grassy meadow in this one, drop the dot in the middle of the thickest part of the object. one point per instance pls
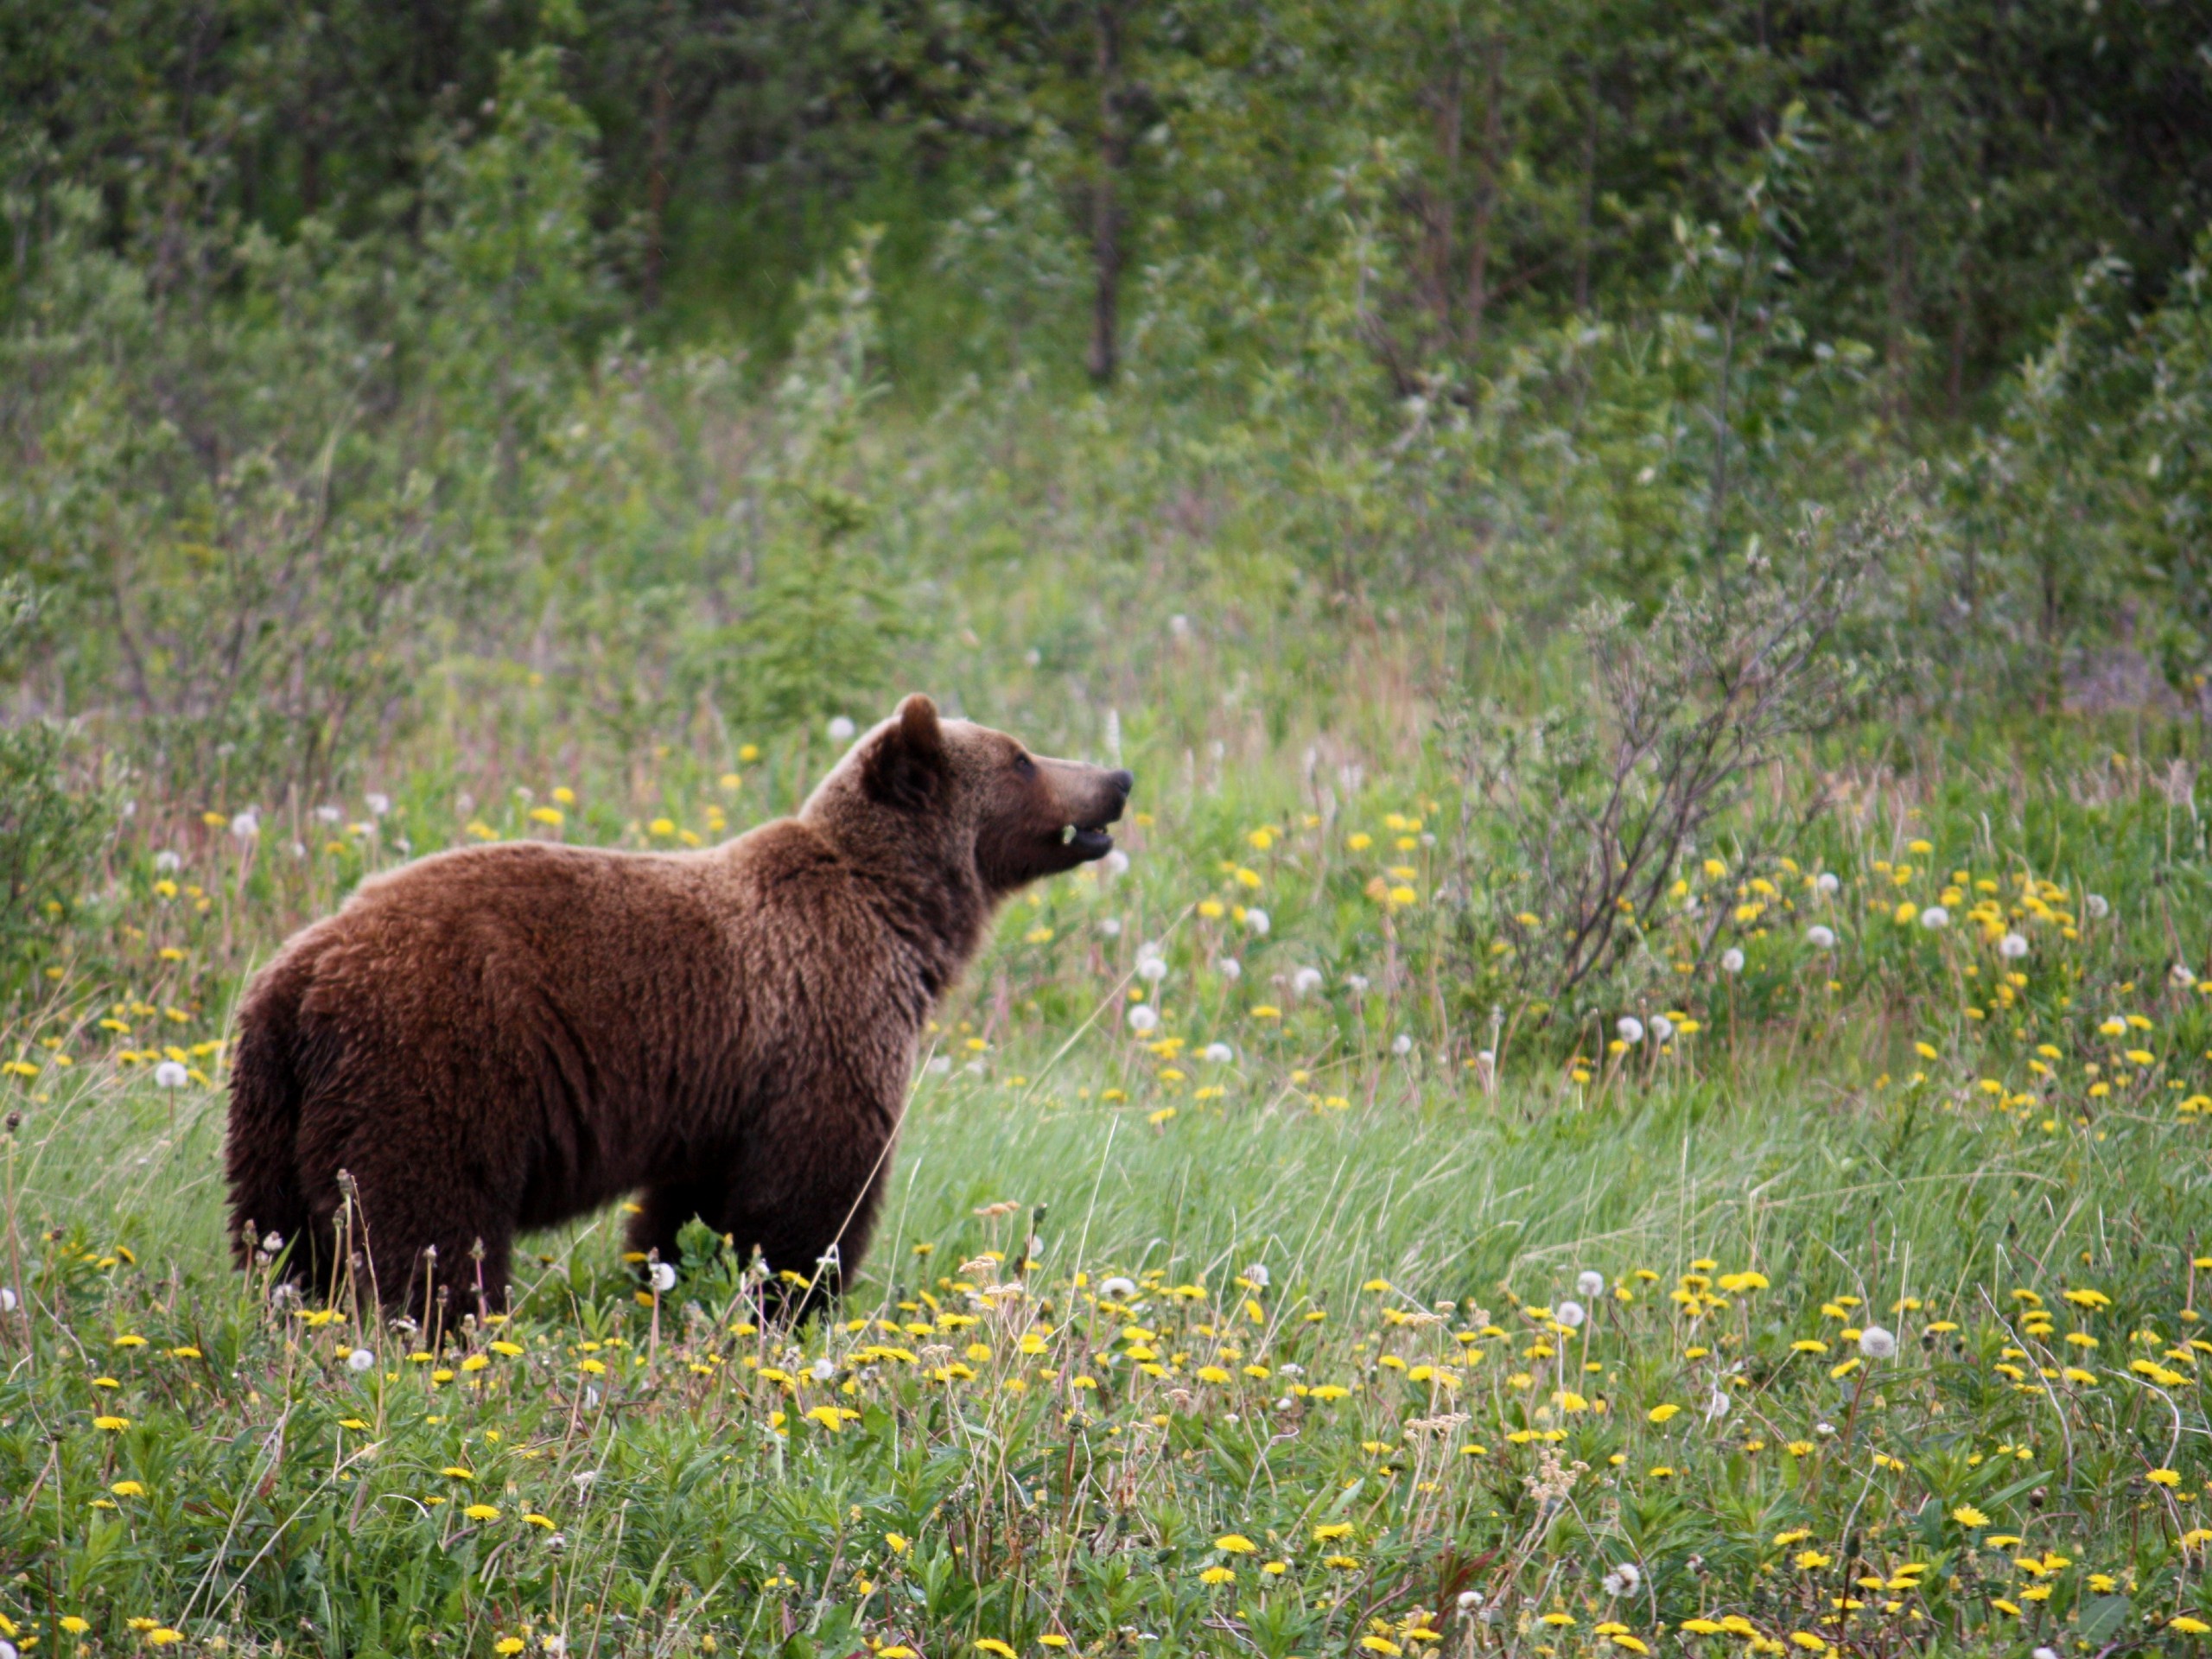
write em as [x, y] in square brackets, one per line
[1242, 1288]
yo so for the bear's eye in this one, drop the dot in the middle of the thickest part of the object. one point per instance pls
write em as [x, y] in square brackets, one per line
[1024, 767]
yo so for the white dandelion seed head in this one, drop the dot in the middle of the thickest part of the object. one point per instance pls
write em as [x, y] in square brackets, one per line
[1876, 1343]
[823, 1369]
[1219, 1053]
[8, 1649]
[171, 1074]
[1257, 920]
[1469, 1600]
[1401, 1045]
[592, 1398]
[1257, 1272]
[1115, 862]
[1306, 981]
[2044, 1653]
[1934, 918]
[1825, 883]
[1824, 1430]
[1111, 927]
[1623, 1579]
[839, 730]
[359, 1359]
[940, 1065]
[168, 860]
[1589, 1282]
[2182, 974]
[1356, 983]
[663, 1277]
[7, 1299]
[247, 825]
[1144, 1020]
[328, 814]
[1731, 961]
[2012, 946]
[1820, 938]
[1570, 1315]
[1118, 1288]
[299, 850]
[2098, 906]
[378, 804]
[1662, 1026]
[1151, 965]
[1230, 969]
[1630, 1029]
[1717, 1405]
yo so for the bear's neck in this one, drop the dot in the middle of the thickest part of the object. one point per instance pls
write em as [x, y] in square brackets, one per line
[938, 912]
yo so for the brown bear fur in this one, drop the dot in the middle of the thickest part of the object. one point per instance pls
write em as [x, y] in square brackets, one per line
[504, 1037]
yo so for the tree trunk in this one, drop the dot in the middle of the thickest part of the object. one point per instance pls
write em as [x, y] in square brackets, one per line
[1586, 216]
[1106, 251]
[656, 167]
[1486, 186]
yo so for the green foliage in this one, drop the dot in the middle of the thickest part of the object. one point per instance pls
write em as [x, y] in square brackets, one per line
[49, 834]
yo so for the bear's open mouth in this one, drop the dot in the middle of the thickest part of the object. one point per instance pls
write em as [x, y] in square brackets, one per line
[1089, 841]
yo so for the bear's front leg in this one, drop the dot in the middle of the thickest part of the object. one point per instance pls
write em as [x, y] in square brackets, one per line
[808, 1202]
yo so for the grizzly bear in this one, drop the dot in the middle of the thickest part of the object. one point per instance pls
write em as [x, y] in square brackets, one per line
[504, 1037]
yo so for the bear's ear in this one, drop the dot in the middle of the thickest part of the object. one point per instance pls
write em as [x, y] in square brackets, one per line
[904, 765]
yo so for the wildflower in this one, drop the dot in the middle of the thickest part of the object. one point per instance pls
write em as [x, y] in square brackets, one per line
[841, 731]
[1731, 961]
[1623, 1579]
[1589, 1282]
[1306, 981]
[1235, 1543]
[7, 1299]
[1820, 938]
[482, 1512]
[2012, 947]
[1230, 969]
[1144, 1020]
[1217, 1576]
[1662, 1029]
[1716, 1405]
[663, 1277]
[1254, 918]
[508, 1644]
[1877, 1344]
[359, 1360]
[1381, 1645]
[161, 1635]
[2163, 1478]
[247, 825]
[1570, 1315]
[1662, 1415]
[2098, 906]
[1117, 1288]
[2188, 1626]
[1630, 1029]
[1934, 918]
[111, 1425]
[1219, 1053]
[1401, 1045]
[170, 1074]
[128, 1489]
[1152, 967]
[1968, 1516]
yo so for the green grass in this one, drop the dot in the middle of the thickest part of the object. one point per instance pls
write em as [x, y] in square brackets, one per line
[1798, 1133]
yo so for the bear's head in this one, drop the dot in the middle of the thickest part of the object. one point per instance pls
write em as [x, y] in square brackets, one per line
[962, 795]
